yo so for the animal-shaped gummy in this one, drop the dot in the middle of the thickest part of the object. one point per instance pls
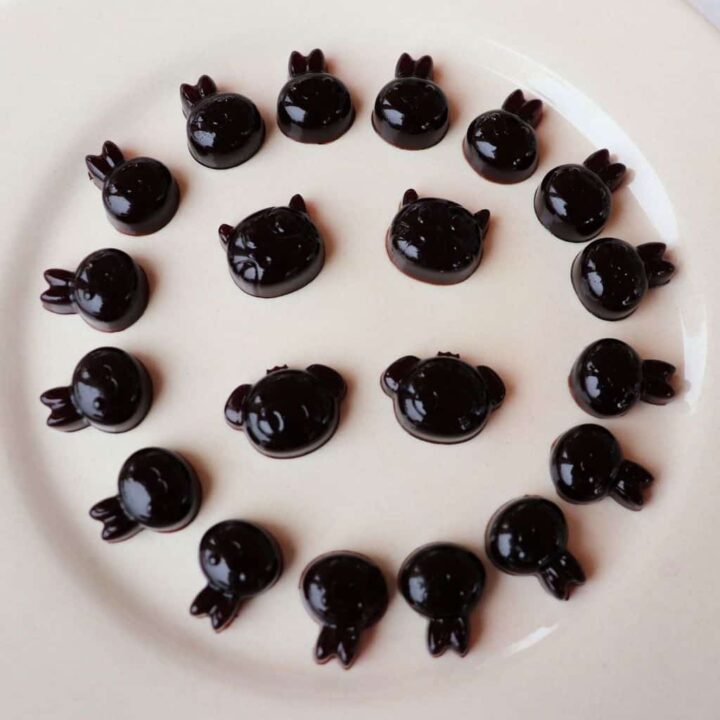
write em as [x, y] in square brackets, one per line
[239, 560]
[443, 582]
[140, 195]
[574, 201]
[274, 251]
[587, 464]
[313, 106]
[501, 144]
[528, 536]
[157, 490]
[346, 593]
[411, 111]
[611, 277]
[609, 377]
[436, 241]
[110, 390]
[288, 412]
[223, 129]
[442, 399]
[109, 290]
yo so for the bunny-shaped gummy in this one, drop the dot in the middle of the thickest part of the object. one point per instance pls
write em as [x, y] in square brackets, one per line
[274, 251]
[109, 290]
[443, 582]
[411, 111]
[346, 593]
[587, 464]
[501, 144]
[157, 490]
[313, 105]
[574, 201]
[111, 390]
[288, 413]
[140, 195]
[442, 399]
[609, 377]
[223, 129]
[528, 536]
[436, 241]
[239, 560]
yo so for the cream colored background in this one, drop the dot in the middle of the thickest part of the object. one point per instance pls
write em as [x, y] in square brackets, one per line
[90, 630]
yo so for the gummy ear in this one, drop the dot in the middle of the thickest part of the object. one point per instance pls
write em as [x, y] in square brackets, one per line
[444, 633]
[658, 270]
[495, 386]
[225, 233]
[300, 64]
[395, 374]
[341, 643]
[531, 112]
[560, 574]
[483, 220]
[656, 388]
[598, 160]
[420, 68]
[100, 166]
[330, 378]
[408, 198]
[192, 94]
[221, 607]
[117, 525]
[234, 407]
[63, 413]
[404, 66]
[611, 174]
[59, 295]
[514, 101]
[297, 203]
[629, 482]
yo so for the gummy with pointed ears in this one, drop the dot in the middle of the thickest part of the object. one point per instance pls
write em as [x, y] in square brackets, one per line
[587, 464]
[157, 490]
[223, 129]
[111, 390]
[611, 277]
[274, 251]
[501, 144]
[574, 201]
[411, 111]
[313, 105]
[443, 582]
[436, 241]
[442, 399]
[109, 290]
[609, 377]
[528, 536]
[240, 560]
[346, 593]
[140, 195]
[288, 413]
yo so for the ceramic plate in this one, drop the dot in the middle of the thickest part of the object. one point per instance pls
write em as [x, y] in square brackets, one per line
[94, 630]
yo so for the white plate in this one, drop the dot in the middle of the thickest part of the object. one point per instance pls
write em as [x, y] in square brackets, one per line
[91, 630]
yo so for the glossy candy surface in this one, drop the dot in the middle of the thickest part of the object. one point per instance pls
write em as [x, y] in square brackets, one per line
[587, 464]
[140, 195]
[443, 582]
[223, 129]
[442, 399]
[111, 390]
[609, 377]
[611, 277]
[274, 251]
[528, 536]
[574, 201]
[346, 593]
[411, 111]
[313, 106]
[436, 241]
[239, 560]
[109, 290]
[289, 412]
[501, 144]
[157, 490]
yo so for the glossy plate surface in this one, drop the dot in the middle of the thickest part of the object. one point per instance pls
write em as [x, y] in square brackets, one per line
[95, 630]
